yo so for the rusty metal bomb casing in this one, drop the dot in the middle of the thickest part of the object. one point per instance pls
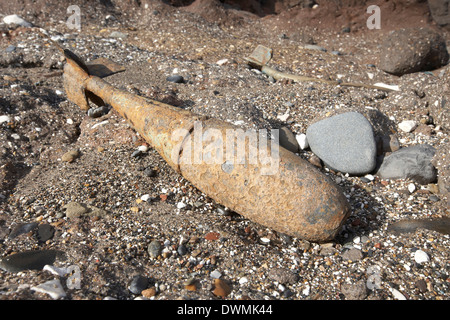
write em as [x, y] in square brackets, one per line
[295, 199]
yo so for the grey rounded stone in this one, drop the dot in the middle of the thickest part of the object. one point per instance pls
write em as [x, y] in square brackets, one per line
[154, 249]
[410, 163]
[344, 143]
[138, 283]
[175, 79]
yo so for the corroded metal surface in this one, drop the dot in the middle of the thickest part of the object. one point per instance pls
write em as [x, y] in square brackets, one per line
[289, 195]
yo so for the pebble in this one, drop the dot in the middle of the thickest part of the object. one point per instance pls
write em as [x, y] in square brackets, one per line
[407, 125]
[344, 143]
[75, 209]
[411, 187]
[56, 271]
[10, 48]
[29, 260]
[397, 294]
[411, 162]
[150, 172]
[118, 34]
[53, 288]
[181, 205]
[70, 156]
[154, 249]
[97, 112]
[222, 211]
[212, 236]
[421, 285]
[138, 284]
[421, 256]
[222, 62]
[283, 276]
[136, 153]
[15, 19]
[215, 274]
[221, 288]
[143, 148]
[44, 232]
[5, 118]
[352, 254]
[182, 250]
[315, 47]
[302, 141]
[21, 229]
[243, 280]
[148, 293]
[354, 291]
[411, 50]
[288, 140]
[175, 79]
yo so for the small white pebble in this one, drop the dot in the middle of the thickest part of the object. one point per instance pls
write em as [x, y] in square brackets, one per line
[302, 141]
[4, 118]
[265, 240]
[215, 274]
[397, 294]
[143, 148]
[243, 280]
[145, 197]
[421, 256]
[411, 187]
[306, 291]
[222, 62]
[407, 125]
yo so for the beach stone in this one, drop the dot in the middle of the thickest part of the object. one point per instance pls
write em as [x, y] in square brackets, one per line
[75, 209]
[302, 141]
[45, 232]
[30, 260]
[407, 125]
[421, 256]
[354, 291]
[70, 156]
[344, 142]
[283, 276]
[410, 163]
[411, 50]
[5, 118]
[421, 285]
[353, 254]
[15, 19]
[440, 12]
[175, 79]
[154, 249]
[21, 229]
[138, 284]
[221, 288]
[53, 288]
[288, 140]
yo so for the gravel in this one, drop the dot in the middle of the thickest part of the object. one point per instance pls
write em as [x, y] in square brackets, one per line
[113, 234]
